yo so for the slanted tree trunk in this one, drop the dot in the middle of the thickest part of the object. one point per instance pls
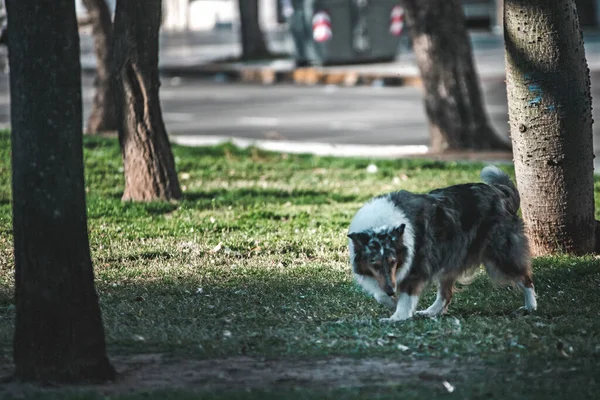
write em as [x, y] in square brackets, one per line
[148, 162]
[549, 105]
[453, 101]
[58, 327]
[254, 45]
[103, 117]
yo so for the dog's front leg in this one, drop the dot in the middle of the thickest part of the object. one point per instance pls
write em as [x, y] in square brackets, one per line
[370, 286]
[386, 300]
[410, 290]
[405, 308]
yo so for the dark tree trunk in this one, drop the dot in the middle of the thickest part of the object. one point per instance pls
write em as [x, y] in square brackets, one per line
[453, 102]
[102, 117]
[254, 45]
[58, 328]
[549, 105]
[147, 158]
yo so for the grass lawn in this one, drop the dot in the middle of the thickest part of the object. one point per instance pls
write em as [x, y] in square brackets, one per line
[243, 289]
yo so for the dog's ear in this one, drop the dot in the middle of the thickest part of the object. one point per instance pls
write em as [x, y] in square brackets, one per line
[398, 233]
[359, 239]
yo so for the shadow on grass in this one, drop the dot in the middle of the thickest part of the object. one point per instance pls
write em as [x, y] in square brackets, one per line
[144, 255]
[314, 311]
[240, 196]
[252, 196]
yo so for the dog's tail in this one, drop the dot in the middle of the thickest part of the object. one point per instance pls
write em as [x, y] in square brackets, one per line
[494, 176]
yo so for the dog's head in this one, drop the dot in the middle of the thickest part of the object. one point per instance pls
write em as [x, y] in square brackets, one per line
[379, 253]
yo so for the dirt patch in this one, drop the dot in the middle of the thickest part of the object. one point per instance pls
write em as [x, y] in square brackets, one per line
[150, 372]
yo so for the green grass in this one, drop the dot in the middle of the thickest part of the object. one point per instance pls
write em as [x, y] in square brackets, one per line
[253, 262]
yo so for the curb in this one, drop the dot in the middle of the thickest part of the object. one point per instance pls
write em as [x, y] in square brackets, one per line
[285, 72]
[346, 150]
[269, 75]
[301, 147]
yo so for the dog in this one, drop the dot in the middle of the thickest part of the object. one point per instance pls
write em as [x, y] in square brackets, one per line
[399, 242]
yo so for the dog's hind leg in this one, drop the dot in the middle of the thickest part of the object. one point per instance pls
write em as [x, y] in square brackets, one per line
[529, 292]
[442, 300]
[518, 272]
[507, 259]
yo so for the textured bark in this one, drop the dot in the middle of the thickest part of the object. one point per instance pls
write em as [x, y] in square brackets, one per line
[148, 162]
[58, 327]
[254, 45]
[103, 117]
[549, 106]
[453, 102]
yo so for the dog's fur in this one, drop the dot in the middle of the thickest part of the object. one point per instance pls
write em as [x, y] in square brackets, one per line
[401, 241]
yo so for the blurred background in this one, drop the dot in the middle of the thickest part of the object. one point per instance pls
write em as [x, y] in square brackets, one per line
[364, 99]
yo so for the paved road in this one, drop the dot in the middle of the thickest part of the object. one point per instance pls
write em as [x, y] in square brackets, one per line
[323, 114]
[358, 115]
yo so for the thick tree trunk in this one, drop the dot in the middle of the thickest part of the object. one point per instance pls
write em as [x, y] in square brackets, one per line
[58, 328]
[254, 45]
[147, 158]
[549, 105]
[103, 117]
[453, 102]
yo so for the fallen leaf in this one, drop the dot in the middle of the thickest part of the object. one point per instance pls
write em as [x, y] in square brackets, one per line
[372, 168]
[217, 248]
[448, 386]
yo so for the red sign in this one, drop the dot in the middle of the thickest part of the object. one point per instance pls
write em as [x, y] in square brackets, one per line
[321, 27]
[397, 21]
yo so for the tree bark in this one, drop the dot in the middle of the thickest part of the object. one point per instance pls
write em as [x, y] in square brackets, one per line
[453, 101]
[254, 45]
[148, 162]
[550, 118]
[103, 117]
[58, 327]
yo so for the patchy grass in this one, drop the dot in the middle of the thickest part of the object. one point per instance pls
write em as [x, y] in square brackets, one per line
[252, 262]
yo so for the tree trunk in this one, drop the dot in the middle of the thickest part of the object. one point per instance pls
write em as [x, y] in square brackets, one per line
[253, 41]
[147, 158]
[549, 106]
[103, 117]
[453, 102]
[58, 327]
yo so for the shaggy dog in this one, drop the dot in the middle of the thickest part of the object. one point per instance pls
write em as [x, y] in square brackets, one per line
[401, 241]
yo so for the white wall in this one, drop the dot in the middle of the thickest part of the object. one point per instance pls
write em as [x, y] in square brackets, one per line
[203, 14]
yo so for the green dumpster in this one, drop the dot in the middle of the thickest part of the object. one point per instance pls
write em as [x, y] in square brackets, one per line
[328, 32]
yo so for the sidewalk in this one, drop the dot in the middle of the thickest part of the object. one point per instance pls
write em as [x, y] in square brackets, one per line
[195, 53]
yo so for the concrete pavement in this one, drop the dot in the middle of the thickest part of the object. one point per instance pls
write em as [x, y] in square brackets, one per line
[369, 120]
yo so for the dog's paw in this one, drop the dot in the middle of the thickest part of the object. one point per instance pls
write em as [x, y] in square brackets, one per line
[426, 314]
[389, 320]
[393, 319]
[521, 311]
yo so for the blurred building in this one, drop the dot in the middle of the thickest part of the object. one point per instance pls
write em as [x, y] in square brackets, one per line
[181, 15]
[488, 13]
